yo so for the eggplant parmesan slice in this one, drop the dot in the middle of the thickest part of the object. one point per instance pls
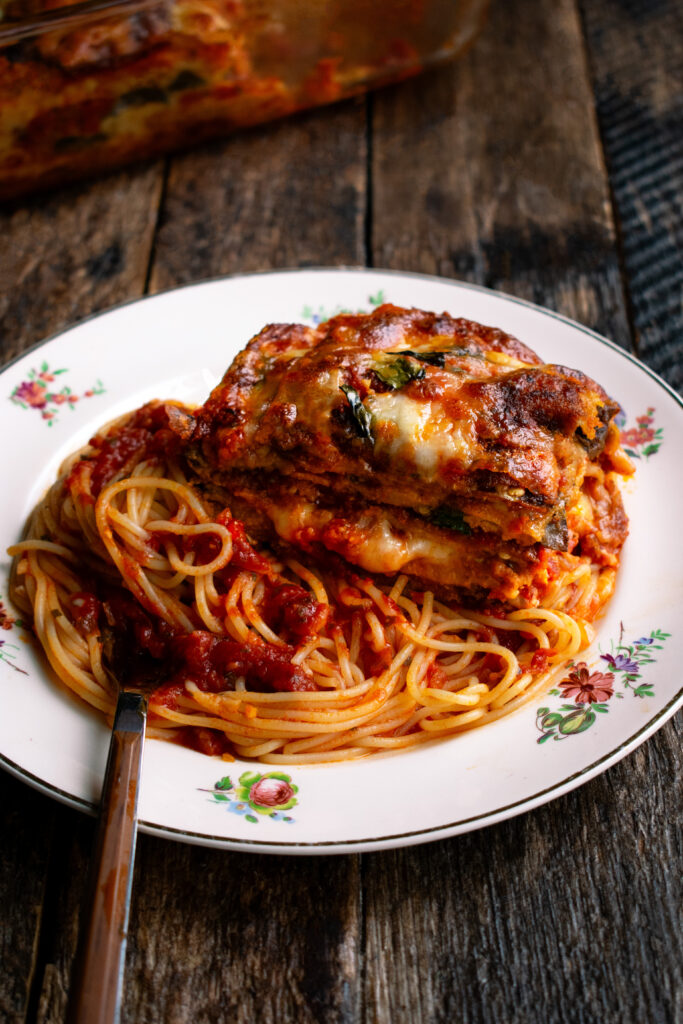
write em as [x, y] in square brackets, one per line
[407, 441]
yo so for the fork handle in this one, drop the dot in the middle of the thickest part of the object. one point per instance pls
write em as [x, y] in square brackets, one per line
[96, 991]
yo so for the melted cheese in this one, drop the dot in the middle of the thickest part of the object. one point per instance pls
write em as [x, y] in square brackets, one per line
[368, 541]
[419, 433]
[503, 359]
[315, 403]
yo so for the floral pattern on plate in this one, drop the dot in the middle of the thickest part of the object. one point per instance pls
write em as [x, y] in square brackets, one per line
[269, 794]
[321, 314]
[643, 440]
[592, 690]
[7, 648]
[38, 392]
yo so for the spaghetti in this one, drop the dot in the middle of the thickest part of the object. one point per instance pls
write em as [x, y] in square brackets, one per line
[252, 653]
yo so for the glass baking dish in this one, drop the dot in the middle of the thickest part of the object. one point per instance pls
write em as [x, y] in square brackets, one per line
[87, 87]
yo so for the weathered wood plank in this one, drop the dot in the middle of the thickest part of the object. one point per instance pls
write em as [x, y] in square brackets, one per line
[491, 170]
[74, 253]
[74, 835]
[27, 830]
[569, 913]
[289, 194]
[636, 57]
[219, 936]
[216, 936]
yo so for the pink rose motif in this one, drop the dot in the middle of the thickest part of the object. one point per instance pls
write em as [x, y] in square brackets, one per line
[46, 376]
[32, 393]
[646, 434]
[269, 792]
[257, 795]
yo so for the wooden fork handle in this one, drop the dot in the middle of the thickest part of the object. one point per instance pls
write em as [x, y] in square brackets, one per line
[96, 991]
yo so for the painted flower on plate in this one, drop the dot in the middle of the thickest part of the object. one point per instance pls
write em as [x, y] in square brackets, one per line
[643, 440]
[635, 437]
[587, 687]
[6, 620]
[31, 392]
[35, 393]
[266, 793]
[620, 663]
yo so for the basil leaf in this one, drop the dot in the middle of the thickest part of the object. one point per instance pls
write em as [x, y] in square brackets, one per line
[439, 358]
[360, 414]
[431, 358]
[186, 79]
[450, 519]
[141, 96]
[400, 373]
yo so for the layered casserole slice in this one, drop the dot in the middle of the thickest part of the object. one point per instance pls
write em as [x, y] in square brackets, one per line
[418, 443]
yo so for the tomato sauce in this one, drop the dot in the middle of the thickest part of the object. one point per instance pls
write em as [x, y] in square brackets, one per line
[140, 631]
[215, 663]
[292, 612]
[85, 609]
[244, 557]
[155, 429]
[539, 660]
[373, 662]
[206, 741]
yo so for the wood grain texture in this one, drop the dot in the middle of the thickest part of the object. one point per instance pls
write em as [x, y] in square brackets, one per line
[231, 937]
[74, 253]
[568, 914]
[215, 936]
[69, 862]
[287, 195]
[27, 833]
[636, 56]
[491, 170]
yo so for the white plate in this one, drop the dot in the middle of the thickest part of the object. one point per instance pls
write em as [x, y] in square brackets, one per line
[177, 345]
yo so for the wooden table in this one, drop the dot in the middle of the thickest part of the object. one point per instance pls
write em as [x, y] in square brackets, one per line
[547, 163]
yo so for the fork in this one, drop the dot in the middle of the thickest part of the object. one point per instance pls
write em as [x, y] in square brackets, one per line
[98, 976]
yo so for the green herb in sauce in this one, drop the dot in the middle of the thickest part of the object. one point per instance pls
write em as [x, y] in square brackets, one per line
[399, 373]
[450, 519]
[361, 415]
[439, 358]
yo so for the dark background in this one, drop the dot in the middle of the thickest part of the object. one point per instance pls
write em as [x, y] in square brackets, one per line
[548, 163]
